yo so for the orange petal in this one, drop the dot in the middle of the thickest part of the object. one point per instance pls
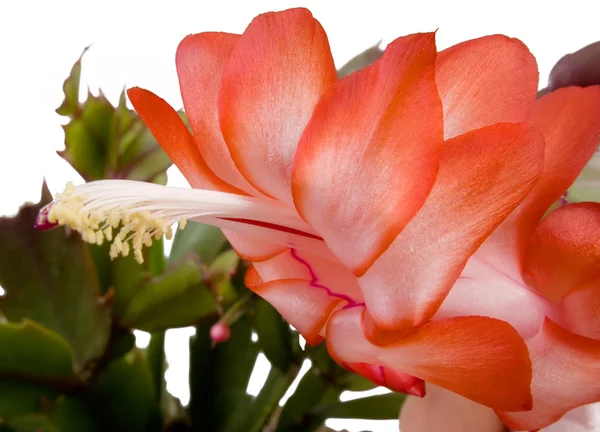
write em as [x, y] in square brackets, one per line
[483, 176]
[480, 358]
[305, 307]
[252, 279]
[485, 81]
[272, 80]
[200, 60]
[564, 251]
[581, 309]
[569, 118]
[566, 375]
[369, 155]
[175, 139]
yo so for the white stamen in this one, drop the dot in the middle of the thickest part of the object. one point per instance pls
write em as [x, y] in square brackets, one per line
[145, 211]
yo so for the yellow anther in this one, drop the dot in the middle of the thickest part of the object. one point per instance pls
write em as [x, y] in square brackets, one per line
[182, 223]
[108, 233]
[138, 256]
[113, 219]
[89, 236]
[96, 222]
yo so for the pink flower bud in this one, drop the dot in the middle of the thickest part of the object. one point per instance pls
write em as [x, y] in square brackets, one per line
[220, 332]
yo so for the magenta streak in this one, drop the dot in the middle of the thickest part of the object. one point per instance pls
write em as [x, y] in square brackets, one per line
[315, 281]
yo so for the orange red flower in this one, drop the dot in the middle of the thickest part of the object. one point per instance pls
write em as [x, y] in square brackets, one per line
[396, 212]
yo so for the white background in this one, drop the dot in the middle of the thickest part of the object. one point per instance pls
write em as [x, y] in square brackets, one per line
[133, 43]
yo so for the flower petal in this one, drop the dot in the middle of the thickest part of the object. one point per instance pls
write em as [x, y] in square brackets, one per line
[583, 419]
[272, 80]
[442, 410]
[566, 374]
[581, 309]
[484, 81]
[305, 307]
[564, 252]
[482, 291]
[480, 358]
[369, 155]
[175, 139]
[200, 60]
[252, 248]
[323, 273]
[569, 118]
[483, 176]
[394, 380]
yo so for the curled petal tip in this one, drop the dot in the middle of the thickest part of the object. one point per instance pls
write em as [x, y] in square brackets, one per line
[42, 222]
[417, 389]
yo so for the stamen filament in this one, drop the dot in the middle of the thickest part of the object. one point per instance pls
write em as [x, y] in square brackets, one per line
[144, 211]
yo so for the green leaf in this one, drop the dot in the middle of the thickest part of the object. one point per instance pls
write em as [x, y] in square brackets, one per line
[362, 60]
[29, 406]
[104, 141]
[222, 272]
[87, 138]
[274, 335]
[20, 398]
[203, 240]
[155, 356]
[309, 393]
[32, 423]
[121, 341]
[31, 352]
[178, 298]
[73, 415]
[124, 394]
[70, 104]
[380, 407]
[267, 401]
[219, 378]
[123, 277]
[49, 278]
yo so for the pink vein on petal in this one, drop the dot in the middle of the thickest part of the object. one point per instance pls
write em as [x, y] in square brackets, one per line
[315, 281]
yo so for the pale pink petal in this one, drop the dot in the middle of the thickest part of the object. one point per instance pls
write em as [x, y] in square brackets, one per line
[566, 375]
[305, 307]
[327, 274]
[441, 410]
[252, 248]
[482, 291]
[582, 419]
